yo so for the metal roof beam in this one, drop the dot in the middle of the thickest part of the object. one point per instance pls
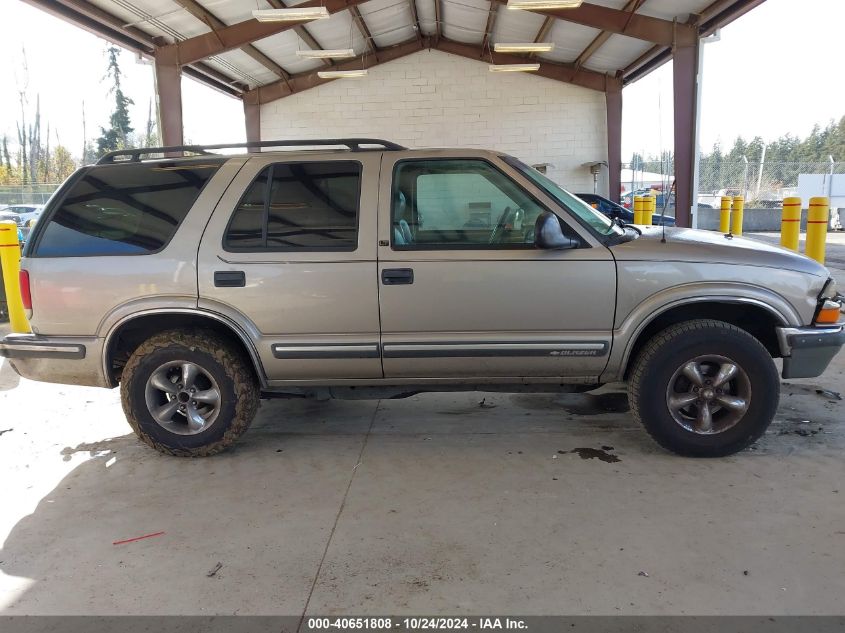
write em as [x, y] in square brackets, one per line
[723, 12]
[215, 24]
[543, 32]
[102, 24]
[234, 36]
[491, 24]
[304, 81]
[559, 72]
[364, 29]
[631, 7]
[416, 18]
[303, 33]
[619, 22]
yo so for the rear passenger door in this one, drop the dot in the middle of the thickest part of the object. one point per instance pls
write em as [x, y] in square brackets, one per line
[290, 254]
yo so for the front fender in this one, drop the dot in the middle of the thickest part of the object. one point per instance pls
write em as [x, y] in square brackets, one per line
[637, 319]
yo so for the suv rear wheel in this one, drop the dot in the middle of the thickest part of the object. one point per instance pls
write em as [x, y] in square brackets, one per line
[704, 388]
[188, 394]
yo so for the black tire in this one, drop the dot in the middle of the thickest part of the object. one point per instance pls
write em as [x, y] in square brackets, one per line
[655, 369]
[238, 391]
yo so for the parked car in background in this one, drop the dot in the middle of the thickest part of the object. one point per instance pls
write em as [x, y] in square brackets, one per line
[7, 214]
[627, 199]
[28, 212]
[617, 212]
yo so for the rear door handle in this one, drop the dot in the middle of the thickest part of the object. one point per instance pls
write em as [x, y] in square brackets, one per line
[229, 278]
[396, 276]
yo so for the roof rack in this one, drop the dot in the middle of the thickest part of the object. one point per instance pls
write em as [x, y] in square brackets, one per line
[354, 144]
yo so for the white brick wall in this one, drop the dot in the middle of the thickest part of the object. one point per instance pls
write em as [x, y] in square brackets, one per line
[433, 99]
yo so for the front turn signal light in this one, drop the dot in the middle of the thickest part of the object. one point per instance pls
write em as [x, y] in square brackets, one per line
[829, 312]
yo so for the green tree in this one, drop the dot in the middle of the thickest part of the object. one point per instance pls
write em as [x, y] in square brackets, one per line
[120, 127]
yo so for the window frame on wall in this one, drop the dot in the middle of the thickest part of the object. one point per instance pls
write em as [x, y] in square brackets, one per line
[269, 170]
[445, 246]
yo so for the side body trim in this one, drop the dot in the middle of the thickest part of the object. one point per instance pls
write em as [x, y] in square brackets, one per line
[342, 350]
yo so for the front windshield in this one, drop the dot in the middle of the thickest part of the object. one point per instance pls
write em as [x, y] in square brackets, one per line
[583, 211]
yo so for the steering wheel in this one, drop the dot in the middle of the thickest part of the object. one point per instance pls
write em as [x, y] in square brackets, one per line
[505, 219]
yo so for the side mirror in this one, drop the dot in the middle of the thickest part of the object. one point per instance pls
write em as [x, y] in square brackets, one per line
[549, 235]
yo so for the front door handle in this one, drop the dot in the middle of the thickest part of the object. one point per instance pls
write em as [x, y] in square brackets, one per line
[396, 276]
[229, 279]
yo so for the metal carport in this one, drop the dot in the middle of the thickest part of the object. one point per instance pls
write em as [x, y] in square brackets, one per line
[602, 45]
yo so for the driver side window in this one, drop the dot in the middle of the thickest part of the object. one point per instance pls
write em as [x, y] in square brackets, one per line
[459, 203]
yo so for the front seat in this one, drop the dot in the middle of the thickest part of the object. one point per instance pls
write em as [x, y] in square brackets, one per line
[402, 235]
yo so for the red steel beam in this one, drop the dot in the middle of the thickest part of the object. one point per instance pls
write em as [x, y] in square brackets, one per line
[252, 120]
[617, 21]
[613, 100]
[630, 8]
[298, 83]
[560, 72]
[168, 81]
[685, 89]
[236, 35]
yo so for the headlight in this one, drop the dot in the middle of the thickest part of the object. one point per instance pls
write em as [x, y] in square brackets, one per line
[830, 305]
[829, 290]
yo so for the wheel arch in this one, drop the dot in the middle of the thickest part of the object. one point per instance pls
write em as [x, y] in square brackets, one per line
[751, 315]
[127, 334]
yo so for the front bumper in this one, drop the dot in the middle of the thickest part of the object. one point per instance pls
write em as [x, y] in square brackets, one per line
[68, 360]
[807, 351]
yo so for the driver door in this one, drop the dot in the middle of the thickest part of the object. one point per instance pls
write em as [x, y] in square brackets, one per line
[463, 292]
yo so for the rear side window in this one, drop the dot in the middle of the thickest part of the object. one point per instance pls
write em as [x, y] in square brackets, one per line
[125, 209]
[298, 206]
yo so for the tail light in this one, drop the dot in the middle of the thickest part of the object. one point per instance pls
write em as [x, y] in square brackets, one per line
[26, 295]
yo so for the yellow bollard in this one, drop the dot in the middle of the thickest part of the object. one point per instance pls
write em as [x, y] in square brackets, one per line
[649, 207]
[790, 223]
[818, 217]
[725, 215]
[737, 211]
[10, 259]
[638, 209]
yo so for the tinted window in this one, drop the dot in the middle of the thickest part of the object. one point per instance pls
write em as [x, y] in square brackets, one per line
[246, 229]
[125, 209]
[309, 206]
[460, 203]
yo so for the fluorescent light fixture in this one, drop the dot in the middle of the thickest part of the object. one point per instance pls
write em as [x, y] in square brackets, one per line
[342, 74]
[513, 68]
[537, 47]
[528, 5]
[290, 14]
[339, 53]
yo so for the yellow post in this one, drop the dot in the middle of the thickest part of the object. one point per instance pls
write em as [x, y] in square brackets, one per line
[649, 206]
[790, 223]
[737, 211]
[10, 259]
[725, 215]
[818, 217]
[638, 209]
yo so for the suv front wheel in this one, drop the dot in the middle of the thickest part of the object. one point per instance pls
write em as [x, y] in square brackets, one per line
[704, 388]
[188, 394]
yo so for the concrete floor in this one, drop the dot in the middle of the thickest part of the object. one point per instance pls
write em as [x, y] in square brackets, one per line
[434, 504]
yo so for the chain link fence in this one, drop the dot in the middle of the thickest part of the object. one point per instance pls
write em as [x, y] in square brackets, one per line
[26, 194]
[764, 185]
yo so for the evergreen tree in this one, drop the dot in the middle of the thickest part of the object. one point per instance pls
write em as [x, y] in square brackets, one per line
[119, 124]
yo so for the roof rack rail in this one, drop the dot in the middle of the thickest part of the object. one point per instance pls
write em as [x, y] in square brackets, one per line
[354, 144]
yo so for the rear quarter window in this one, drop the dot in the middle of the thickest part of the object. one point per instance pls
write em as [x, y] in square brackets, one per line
[131, 209]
